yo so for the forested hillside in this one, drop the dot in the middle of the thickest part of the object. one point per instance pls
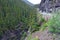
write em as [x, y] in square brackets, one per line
[16, 18]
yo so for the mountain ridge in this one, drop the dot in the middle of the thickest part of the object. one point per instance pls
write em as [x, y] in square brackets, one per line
[27, 2]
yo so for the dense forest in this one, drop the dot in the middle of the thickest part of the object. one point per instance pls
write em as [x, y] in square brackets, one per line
[16, 18]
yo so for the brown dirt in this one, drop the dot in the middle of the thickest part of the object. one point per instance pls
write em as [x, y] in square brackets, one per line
[43, 35]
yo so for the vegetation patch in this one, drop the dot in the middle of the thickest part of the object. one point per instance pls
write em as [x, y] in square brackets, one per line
[54, 23]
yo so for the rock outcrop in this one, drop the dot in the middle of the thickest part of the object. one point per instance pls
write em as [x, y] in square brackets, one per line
[49, 5]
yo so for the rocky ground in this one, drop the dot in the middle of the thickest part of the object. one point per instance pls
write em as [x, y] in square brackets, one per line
[45, 35]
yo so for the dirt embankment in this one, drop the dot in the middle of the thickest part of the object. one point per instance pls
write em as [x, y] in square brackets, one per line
[43, 35]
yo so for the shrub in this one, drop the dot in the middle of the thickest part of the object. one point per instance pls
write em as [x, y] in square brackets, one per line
[30, 38]
[54, 23]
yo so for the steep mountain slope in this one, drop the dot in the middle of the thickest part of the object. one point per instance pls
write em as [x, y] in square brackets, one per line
[16, 17]
[26, 1]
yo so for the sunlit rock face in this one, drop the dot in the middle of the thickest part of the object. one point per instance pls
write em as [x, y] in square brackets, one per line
[49, 5]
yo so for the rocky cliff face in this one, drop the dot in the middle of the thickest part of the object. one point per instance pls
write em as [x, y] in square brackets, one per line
[49, 5]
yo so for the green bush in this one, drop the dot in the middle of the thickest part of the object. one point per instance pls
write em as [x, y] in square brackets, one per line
[30, 38]
[54, 23]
